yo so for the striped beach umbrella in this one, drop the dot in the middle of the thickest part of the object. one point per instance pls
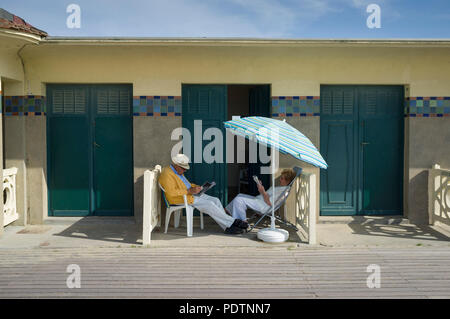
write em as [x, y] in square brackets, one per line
[279, 135]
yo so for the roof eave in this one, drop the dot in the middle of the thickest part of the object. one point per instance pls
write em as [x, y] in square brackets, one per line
[32, 38]
[244, 41]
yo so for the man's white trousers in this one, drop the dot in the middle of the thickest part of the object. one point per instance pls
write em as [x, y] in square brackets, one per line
[213, 207]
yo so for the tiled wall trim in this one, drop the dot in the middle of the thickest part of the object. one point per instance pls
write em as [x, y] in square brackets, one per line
[283, 106]
[156, 105]
[29, 105]
[428, 106]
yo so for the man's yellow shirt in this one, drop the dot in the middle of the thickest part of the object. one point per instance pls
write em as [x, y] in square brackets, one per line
[174, 188]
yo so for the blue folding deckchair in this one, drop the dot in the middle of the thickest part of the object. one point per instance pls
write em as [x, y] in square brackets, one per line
[278, 202]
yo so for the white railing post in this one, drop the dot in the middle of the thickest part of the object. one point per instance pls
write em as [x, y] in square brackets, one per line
[305, 206]
[439, 196]
[9, 190]
[312, 238]
[432, 176]
[146, 234]
[151, 204]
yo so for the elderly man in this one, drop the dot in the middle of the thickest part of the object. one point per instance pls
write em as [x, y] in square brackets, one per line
[176, 185]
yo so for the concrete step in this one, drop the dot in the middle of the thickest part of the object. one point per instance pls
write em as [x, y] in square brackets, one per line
[90, 220]
[364, 220]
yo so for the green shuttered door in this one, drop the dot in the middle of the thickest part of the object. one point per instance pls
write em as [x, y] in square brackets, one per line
[361, 139]
[207, 103]
[90, 164]
[259, 102]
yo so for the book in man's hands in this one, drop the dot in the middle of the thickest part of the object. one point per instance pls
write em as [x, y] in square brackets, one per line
[206, 187]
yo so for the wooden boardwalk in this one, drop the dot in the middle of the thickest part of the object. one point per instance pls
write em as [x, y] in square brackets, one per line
[272, 272]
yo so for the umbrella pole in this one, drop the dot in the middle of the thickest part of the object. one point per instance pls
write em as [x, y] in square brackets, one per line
[272, 222]
[271, 234]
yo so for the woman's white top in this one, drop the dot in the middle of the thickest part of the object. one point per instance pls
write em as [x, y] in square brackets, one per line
[278, 191]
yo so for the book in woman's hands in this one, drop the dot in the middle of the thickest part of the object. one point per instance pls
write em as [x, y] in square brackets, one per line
[256, 179]
[205, 187]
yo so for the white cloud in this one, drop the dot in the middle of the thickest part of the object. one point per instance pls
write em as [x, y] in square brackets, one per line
[360, 3]
[387, 7]
[180, 18]
[215, 18]
[199, 18]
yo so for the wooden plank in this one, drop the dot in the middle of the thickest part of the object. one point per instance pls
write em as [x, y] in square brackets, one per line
[159, 273]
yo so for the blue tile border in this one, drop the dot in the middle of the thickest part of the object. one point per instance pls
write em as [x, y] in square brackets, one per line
[157, 105]
[291, 106]
[427, 106]
[27, 105]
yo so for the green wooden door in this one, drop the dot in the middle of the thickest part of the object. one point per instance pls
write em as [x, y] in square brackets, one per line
[381, 124]
[203, 107]
[338, 146]
[69, 150]
[361, 139]
[259, 105]
[113, 149]
[90, 164]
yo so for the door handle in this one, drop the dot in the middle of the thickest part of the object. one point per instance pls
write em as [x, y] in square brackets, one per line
[365, 143]
[97, 145]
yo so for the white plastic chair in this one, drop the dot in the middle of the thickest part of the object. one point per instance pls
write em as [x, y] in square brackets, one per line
[178, 209]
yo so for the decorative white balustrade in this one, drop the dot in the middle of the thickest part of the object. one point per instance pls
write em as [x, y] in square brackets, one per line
[9, 196]
[439, 196]
[152, 203]
[303, 215]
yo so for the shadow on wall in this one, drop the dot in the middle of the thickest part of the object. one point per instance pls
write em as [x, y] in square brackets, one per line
[138, 199]
[418, 199]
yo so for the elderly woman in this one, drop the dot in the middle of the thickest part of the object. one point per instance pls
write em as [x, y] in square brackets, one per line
[238, 206]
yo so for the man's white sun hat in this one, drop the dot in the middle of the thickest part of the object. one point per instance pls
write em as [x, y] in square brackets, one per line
[181, 160]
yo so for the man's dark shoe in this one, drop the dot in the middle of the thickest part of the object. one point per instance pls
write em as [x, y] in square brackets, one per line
[233, 230]
[240, 223]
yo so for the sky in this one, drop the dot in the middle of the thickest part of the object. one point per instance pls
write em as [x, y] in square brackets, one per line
[286, 19]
